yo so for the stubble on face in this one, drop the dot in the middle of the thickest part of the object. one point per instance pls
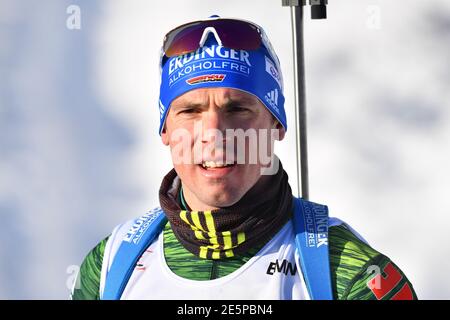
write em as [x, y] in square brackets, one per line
[215, 110]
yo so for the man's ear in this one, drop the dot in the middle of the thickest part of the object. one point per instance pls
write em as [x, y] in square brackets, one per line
[165, 136]
[281, 131]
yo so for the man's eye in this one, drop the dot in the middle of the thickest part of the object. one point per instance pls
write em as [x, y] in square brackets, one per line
[237, 109]
[188, 111]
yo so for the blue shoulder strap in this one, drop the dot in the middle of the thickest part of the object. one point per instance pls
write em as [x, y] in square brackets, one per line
[311, 239]
[144, 230]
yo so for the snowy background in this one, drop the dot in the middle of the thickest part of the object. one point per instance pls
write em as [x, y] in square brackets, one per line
[80, 153]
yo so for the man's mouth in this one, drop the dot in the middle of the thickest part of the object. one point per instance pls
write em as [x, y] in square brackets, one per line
[215, 164]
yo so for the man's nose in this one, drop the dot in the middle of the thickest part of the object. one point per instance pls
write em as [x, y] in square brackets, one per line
[213, 123]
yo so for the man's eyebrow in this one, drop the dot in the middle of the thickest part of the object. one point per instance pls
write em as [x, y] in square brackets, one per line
[188, 105]
[240, 101]
[232, 102]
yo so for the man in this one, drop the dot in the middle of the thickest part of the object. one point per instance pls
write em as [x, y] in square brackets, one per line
[227, 225]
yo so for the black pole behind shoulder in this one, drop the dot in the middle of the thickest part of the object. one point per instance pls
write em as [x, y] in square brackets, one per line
[318, 11]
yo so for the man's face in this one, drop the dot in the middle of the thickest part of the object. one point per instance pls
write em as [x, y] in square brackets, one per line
[201, 131]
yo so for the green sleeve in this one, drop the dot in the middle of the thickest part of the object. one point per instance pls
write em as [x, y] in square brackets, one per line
[361, 273]
[87, 285]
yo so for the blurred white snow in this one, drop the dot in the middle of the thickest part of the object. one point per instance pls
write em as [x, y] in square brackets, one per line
[80, 153]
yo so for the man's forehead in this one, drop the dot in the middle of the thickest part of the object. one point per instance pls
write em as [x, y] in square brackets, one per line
[203, 96]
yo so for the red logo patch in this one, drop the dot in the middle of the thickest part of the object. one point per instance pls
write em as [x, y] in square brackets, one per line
[206, 78]
[383, 285]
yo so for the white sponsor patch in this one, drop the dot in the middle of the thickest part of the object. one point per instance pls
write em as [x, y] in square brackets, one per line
[272, 70]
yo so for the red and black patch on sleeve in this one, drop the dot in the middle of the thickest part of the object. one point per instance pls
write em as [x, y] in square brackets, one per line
[390, 284]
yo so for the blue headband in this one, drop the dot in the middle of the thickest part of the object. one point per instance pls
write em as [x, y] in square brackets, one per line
[255, 72]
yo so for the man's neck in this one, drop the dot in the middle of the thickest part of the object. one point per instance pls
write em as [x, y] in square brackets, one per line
[192, 202]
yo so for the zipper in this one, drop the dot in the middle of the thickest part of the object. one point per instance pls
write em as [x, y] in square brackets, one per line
[214, 270]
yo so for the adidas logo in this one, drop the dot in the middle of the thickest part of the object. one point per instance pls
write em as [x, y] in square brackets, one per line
[272, 99]
[161, 109]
